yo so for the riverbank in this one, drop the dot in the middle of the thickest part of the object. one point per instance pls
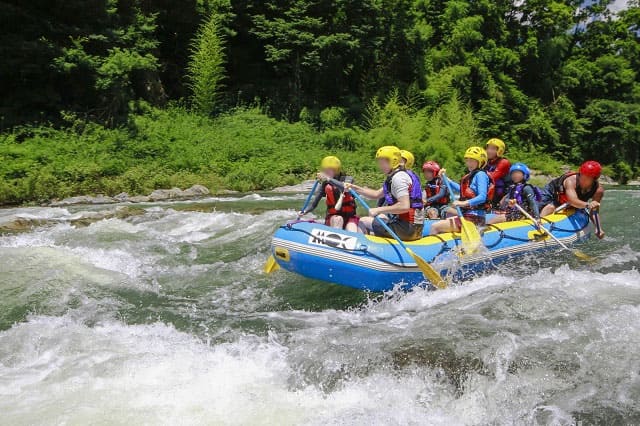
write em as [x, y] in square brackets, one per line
[244, 150]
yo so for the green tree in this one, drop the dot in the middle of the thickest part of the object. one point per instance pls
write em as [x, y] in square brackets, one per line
[206, 68]
[89, 56]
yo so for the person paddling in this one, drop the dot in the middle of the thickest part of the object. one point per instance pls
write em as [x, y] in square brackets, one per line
[476, 191]
[341, 207]
[403, 210]
[520, 192]
[498, 169]
[407, 162]
[436, 200]
[580, 189]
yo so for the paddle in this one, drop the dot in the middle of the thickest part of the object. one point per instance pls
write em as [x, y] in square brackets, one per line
[471, 238]
[271, 264]
[577, 253]
[595, 216]
[562, 207]
[427, 270]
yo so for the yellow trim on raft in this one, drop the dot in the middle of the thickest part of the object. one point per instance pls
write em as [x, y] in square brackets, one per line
[448, 236]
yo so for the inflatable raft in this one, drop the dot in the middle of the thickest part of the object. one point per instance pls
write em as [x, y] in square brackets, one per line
[371, 263]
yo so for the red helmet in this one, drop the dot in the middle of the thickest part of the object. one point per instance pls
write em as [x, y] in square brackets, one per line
[431, 165]
[591, 168]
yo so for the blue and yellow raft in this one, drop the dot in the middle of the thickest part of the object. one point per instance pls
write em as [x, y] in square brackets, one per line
[371, 263]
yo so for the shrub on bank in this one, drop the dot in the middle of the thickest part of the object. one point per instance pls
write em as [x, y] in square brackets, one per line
[243, 150]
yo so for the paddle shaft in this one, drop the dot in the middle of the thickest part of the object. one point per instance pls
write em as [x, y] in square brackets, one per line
[308, 200]
[595, 216]
[446, 181]
[542, 228]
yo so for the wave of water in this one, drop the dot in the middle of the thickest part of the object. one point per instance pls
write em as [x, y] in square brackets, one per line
[165, 318]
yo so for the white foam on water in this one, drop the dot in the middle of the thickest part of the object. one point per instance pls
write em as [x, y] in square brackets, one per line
[193, 227]
[34, 213]
[257, 197]
[40, 237]
[65, 372]
[547, 345]
[620, 256]
[398, 307]
[228, 199]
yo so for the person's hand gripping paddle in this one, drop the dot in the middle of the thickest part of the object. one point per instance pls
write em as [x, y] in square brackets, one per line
[471, 239]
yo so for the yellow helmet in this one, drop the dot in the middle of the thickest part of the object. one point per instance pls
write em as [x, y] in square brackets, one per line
[498, 143]
[331, 162]
[391, 153]
[478, 154]
[410, 160]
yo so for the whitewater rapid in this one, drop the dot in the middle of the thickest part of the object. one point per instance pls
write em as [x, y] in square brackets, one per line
[162, 316]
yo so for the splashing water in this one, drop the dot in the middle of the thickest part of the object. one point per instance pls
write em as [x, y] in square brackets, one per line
[161, 315]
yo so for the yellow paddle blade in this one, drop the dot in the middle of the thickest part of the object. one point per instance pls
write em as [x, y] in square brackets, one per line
[471, 239]
[271, 265]
[582, 255]
[429, 273]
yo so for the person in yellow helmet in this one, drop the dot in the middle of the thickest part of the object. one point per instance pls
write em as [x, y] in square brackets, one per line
[408, 159]
[498, 169]
[341, 207]
[475, 189]
[403, 209]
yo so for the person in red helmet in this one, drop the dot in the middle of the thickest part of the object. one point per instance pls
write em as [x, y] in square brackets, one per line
[436, 199]
[580, 189]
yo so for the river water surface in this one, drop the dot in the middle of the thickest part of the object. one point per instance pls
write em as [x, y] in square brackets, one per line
[159, 314]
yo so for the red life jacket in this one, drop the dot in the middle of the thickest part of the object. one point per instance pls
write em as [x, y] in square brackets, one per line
[466, 193]
[432, 188]
[501, 184]
[559, 194]
[332, 195]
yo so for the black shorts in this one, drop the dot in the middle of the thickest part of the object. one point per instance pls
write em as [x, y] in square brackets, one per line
[405, 230]
[546, 198]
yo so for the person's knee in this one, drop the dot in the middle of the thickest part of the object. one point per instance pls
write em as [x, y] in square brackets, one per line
[337, 222]
[365, 224]
[547, 210]
[436, 228]
[499, 218]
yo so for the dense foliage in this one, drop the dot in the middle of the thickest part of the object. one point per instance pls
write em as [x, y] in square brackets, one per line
[243, 150]
[548, 76]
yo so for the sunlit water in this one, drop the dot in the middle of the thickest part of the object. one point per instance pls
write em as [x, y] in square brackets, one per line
[160, 315]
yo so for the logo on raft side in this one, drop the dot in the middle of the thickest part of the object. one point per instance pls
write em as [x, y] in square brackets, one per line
[322, 237]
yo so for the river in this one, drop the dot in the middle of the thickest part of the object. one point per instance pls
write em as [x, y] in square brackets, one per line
[159, 314]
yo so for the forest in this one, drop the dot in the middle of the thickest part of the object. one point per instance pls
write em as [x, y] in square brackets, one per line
[104, 96]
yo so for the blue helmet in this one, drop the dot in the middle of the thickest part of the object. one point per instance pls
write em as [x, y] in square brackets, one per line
[521, 167]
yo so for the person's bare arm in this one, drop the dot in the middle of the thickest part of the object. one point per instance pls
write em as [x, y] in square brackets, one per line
[402, 206]
[598, 195]
[372, 194]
